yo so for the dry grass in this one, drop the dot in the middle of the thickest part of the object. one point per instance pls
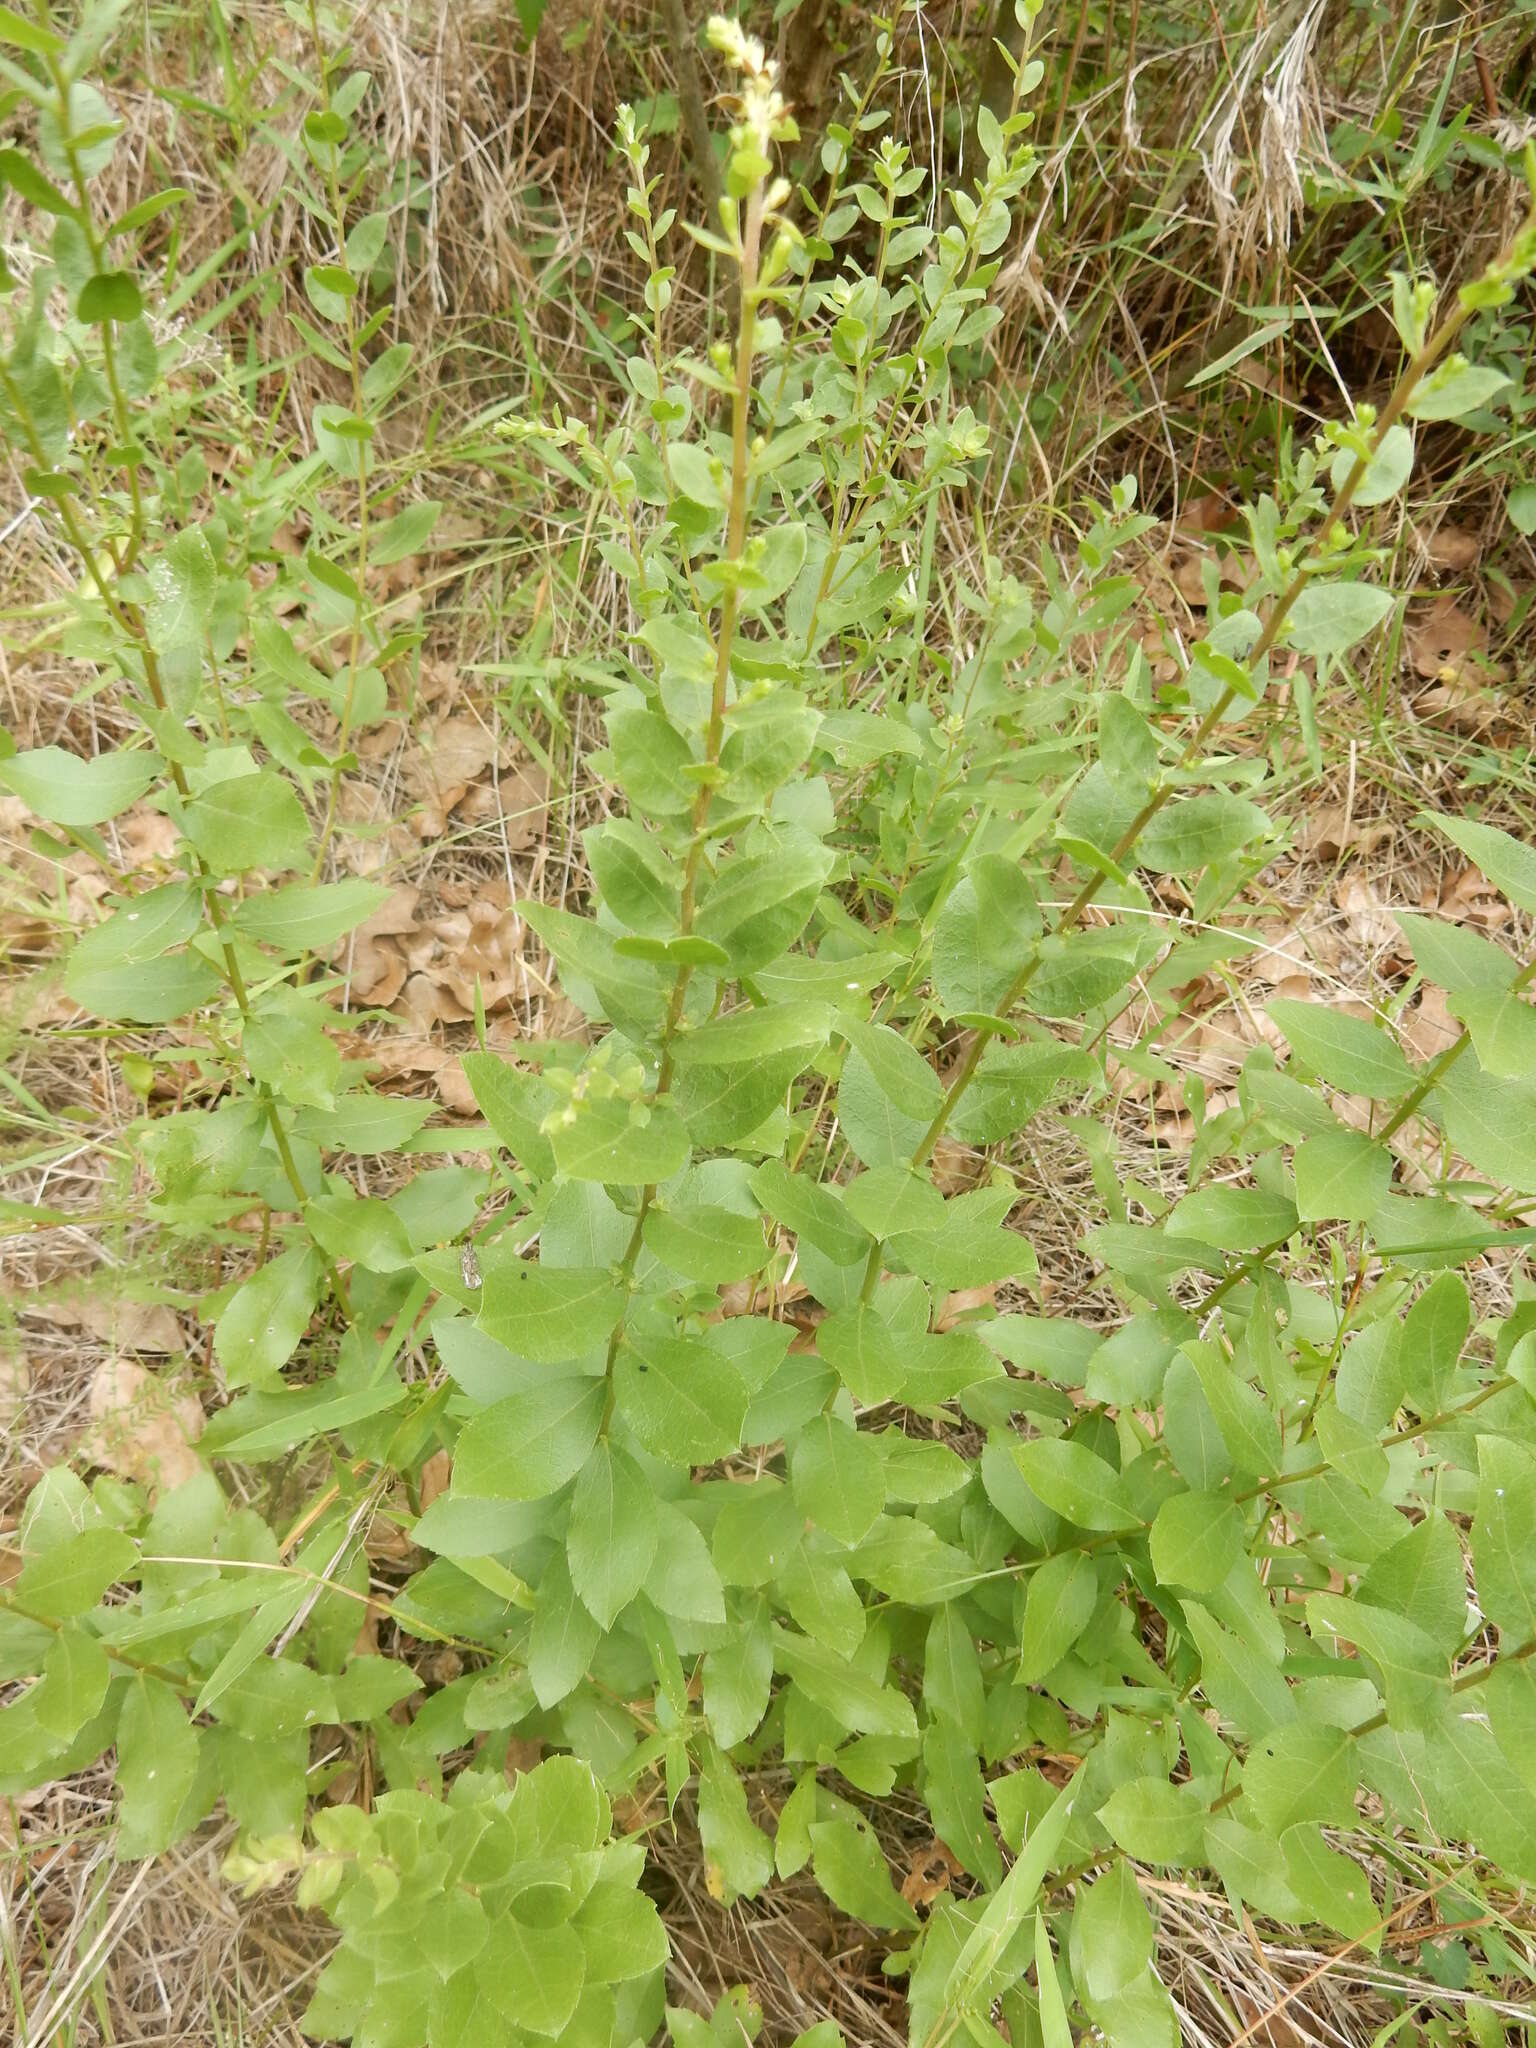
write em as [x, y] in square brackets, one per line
[1175, 185]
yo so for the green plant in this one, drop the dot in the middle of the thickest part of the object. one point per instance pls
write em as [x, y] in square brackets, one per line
[898, 843]
[496, 1903]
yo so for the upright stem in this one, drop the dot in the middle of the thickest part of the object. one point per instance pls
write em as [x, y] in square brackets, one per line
[714, 732]
[355, 647]
[1280, 611]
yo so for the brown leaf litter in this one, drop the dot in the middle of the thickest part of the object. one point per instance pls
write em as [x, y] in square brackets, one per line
[144, 1425]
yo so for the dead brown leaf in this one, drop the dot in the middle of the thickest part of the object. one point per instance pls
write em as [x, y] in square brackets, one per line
[1452, 548]
[129, 1325]
[1459, 704]
[931, 1869]
[435, 1475]
[1429, 1027]
[1370, 924]
[454, 1091]
[963, 1303]
[378, 967]
[15, 1380]
[1333, 830]
[142, 1426]
[1469, 897]
[1445, 643]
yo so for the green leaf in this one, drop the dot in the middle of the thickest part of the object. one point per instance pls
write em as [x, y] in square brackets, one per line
[612, 1535]
[251, 821]
[683, 1400]
[682, 1581]
[1128, 747]
[897, 1068]
[952, 1680]
[706, 1243]
[970, 1246]
[1302, 1772]
[639, 883]
[760, 903]
[1076, 1483]
[140, 929]
[1155, 1821]
[1341, 1175]
[408, 531]
[1369, 1383]
[1113, 1929]
[851, 1869]
[1233, 1219]
[1347, 1052]
[1012, 1084]
[535, 1972]
[747, 1036]
[1238, 1678]
[1503, 1028]
[24, 177]
[1504, 1537]
[1415, 1671]
[300, 919]
[1453, 956]
[1245, 1860]
[1197, 830]
[157, 992]
[1490, 1122]
[157, 1751]
[365, 1232]
[738, 1678]
[66, 790]
[738, 1857]
[1330, 618]
[651, 759]
[260, 1328]
[1350, 1447]
[70, 1578]
[76, 1674]
[1454, 389]
[811, 1210]
[1435, 1333]
[1055, 2028]
[362, 1123]
[970, 1984]
[287, 1046]
[883, 1128]
[839, 1479]
[563, 1638]
[622, 1932]
[842, 1689]
[1063, 1592]
[183, 581]
[1329, 1887]
[109, 295]
[1082, 971]
[1509, 863]
[29, 35]
[1424, 1577]
[609, 1139]
[864, 1351]
[514, 1104]
[1196, 1540]
[527, 1446]
[1248, 1429]
[1385, 473]
[983, 935]
[547, 1313]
